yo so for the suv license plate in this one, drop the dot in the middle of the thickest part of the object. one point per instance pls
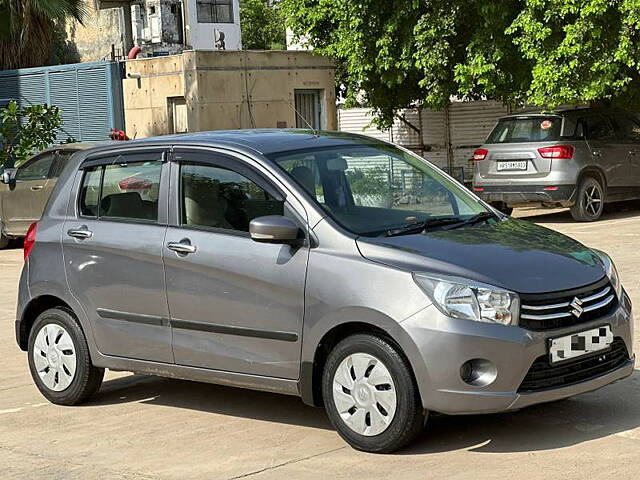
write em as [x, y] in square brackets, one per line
[578, 344]
[520, 165]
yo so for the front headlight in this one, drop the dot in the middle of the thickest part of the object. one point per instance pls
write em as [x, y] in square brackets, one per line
[462, 298]
[611, 270]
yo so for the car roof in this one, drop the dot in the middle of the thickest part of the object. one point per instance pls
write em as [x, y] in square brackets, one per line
[563, 111]
[261, 141]
[76, 146]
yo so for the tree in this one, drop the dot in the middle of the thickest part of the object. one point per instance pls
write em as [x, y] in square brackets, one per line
[262, 25]
[27, 29]
[408, 52]
[26, 130]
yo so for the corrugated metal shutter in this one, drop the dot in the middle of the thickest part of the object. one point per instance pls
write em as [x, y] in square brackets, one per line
[358, 120]
[469, 125]
[64, 94]
[89, 95]
[94, 109]
[403, 134]
[33, 89]
[471, 122]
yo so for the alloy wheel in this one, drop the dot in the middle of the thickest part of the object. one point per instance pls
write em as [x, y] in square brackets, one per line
[364, 394]
[592, 200]
[54, 356]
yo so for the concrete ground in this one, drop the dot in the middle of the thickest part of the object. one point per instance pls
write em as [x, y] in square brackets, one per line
[140, 427]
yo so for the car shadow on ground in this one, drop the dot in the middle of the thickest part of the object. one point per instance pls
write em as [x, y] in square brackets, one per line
[611, 410]
[612, 211]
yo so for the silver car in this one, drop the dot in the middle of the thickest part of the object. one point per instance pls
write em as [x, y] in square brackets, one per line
[335, 267]
[25, 190]
[577, 158]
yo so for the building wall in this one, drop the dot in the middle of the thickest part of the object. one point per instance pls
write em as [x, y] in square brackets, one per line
[225, 90]
[201, 36]
[94, 37]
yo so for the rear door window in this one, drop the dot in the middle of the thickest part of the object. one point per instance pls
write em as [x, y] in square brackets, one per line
[526, 129]
[598, 128]
[126, 191]
[626, 128]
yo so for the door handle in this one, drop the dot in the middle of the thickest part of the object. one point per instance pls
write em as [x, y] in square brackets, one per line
[180, 247]
[35, 188]
[80, 233]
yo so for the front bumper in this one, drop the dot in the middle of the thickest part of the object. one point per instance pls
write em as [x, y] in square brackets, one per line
[521, 194]
[446, 344]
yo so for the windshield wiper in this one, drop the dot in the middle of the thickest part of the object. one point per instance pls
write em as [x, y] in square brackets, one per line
[418, 227]
[480, 217]
[448, 222]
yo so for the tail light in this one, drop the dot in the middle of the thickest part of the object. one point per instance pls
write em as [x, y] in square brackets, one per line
[564, 152]
[30, 239]
[480, 154]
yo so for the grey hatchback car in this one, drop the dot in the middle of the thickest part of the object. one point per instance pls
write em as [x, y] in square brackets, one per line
[579, 158]
[335, 267]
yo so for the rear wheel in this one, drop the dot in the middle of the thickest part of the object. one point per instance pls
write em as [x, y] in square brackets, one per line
[59, 359]
[370, 394]
[589, 201]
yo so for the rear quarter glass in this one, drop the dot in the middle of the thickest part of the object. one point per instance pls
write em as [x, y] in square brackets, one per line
[526, 129]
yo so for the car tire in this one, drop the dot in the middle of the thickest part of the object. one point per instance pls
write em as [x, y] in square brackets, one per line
[503, 207]
[384, 416]
[59, 359]
[589, 201]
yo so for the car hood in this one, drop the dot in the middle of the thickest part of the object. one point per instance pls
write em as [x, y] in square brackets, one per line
[513, 254]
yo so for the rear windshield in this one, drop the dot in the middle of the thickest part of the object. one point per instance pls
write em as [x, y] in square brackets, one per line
[526, 129]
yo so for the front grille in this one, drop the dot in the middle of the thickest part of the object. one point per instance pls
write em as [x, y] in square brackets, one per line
[565, 309]
[542, 375]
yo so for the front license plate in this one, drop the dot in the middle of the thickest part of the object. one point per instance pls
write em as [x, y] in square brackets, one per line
[519, 165]
[578, 344]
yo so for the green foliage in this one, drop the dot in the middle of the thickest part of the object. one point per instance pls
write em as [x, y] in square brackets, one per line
[368, 182]
[28, 30]
[415, 52]
[262, 26]
[26, 130]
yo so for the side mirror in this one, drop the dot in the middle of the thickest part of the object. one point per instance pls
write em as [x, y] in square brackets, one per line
[8, 175]
[274, 229]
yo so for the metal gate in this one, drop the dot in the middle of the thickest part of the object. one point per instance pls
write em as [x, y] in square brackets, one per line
[307, 104]
[89, 96]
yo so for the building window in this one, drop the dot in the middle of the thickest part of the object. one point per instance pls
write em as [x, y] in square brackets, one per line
[215, 11]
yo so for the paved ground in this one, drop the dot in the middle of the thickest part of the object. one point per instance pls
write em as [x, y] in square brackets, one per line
[146, 428]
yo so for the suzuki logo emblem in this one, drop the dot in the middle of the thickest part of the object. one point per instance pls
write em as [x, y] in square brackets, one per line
[576, 307]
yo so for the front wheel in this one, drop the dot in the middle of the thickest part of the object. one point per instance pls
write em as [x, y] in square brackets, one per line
[59, 359]
[370, 394]
[589, 201]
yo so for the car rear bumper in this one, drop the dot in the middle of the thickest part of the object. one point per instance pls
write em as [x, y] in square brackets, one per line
[446, 344]
[519, 194]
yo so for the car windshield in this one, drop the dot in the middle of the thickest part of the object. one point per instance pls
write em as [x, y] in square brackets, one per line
[374, 189]
[526, 129]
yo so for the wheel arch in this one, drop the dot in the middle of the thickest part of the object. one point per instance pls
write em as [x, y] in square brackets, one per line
[34, 308]
[313, 365]
[595, 172]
